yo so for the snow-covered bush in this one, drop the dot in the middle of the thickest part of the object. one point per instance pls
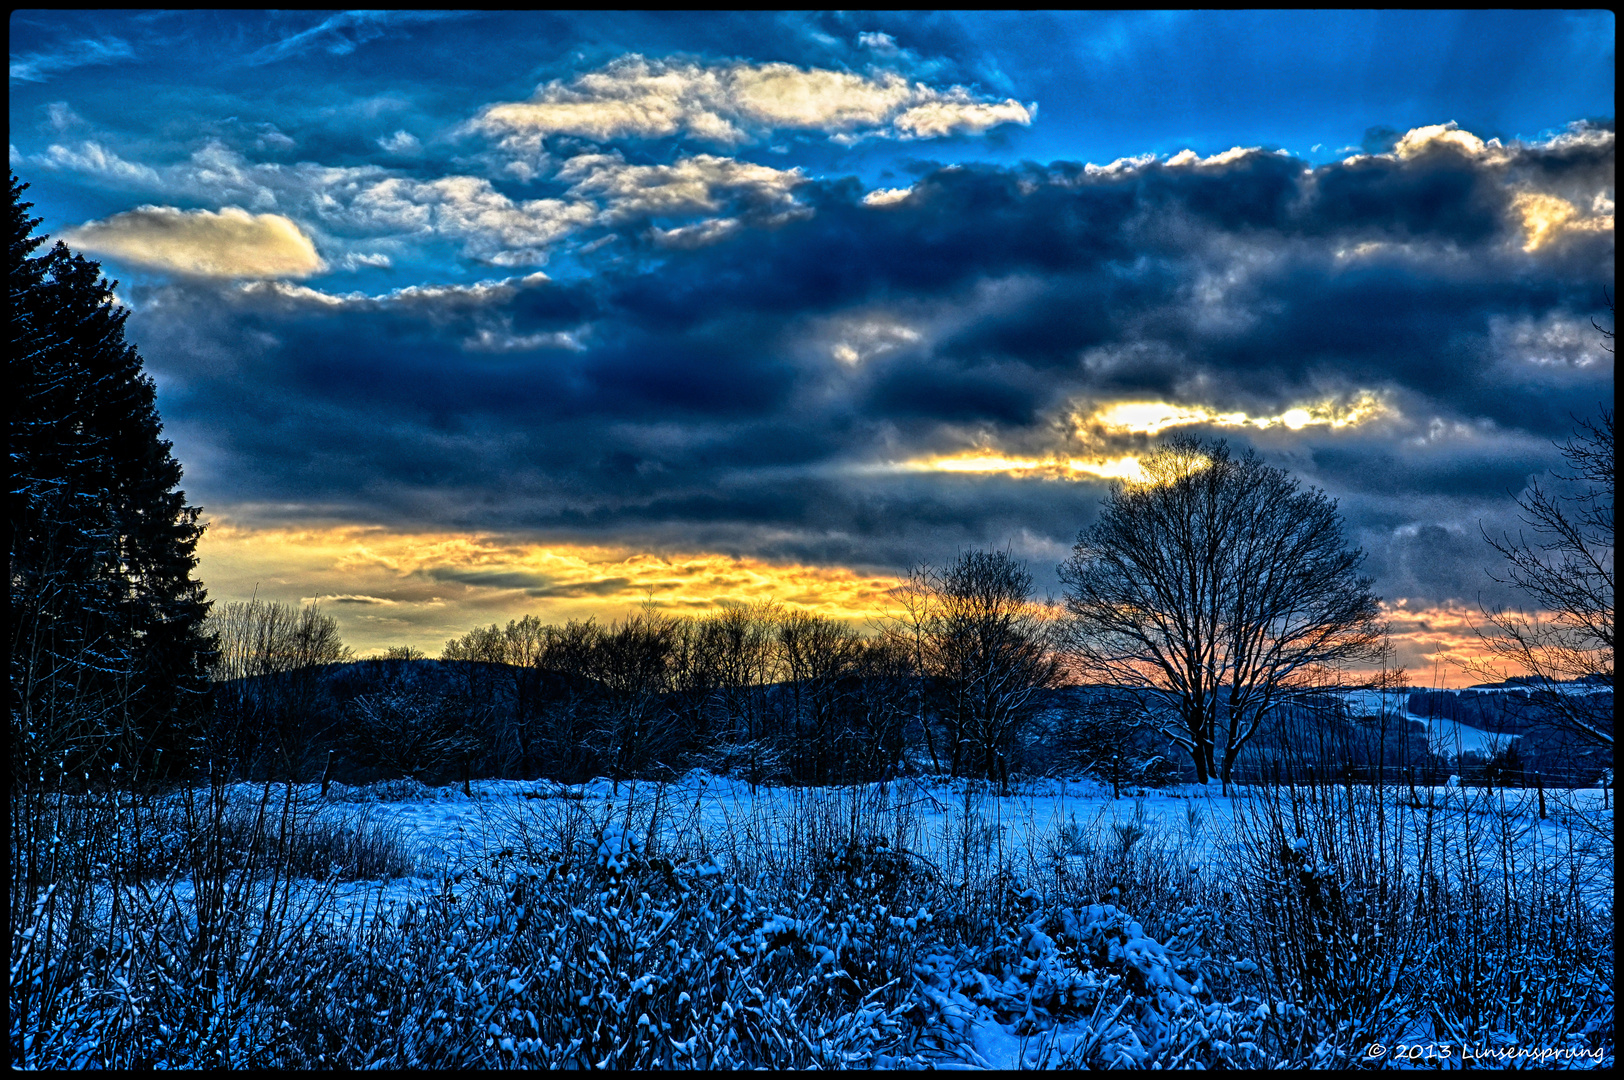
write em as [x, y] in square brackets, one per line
[601, 954]
[1390, 922]
[395, 790]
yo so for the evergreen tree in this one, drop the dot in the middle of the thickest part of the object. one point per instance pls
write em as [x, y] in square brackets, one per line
[108, 648]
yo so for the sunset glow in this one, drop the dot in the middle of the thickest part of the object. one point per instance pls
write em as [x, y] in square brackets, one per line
[391, 588]
[1053, 468]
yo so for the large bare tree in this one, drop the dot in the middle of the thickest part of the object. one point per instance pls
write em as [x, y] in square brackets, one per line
[818, 659]
[1214, 588]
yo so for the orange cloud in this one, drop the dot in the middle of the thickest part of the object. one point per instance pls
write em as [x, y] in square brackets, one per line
[1439, 646]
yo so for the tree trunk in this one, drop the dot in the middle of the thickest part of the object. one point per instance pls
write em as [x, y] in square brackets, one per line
[1230, 754]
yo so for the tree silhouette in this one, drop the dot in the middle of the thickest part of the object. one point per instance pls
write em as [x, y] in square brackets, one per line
[108, 650]
[987, 651]
[1218, 587]
[1566, 571]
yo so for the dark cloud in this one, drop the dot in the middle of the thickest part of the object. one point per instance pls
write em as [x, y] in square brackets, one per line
[702, 397]
[602, 587]
[489, 579]
[1441, 196]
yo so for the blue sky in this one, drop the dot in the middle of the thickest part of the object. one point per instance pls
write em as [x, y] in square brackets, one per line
[456, 316]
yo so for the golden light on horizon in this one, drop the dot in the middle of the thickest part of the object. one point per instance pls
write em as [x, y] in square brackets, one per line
[1439, 645]
[393, 587]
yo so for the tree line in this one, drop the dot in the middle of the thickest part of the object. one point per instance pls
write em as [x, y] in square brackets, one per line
[760, 691]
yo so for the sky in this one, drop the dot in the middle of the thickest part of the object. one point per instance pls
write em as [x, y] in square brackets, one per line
[456, 317]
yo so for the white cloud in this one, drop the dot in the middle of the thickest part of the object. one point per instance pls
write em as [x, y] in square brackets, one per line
[273, 139]
[401, 142]
[1420, 140]
[1190, 157]
[61, 116]
[693, 185]
[738, 102]
[863, 339]
[956, 113]
[480, 295]
[356, 259]
[283, 290]
[494, 227]
[217, 173]
[92, 157]
[699, 234]
[1120, 165]
[1579, 133]
[887, 196]
[230, 243]
[1553, 341]
[341, 34]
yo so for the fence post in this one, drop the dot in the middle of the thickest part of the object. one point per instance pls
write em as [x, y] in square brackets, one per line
[1539, 782]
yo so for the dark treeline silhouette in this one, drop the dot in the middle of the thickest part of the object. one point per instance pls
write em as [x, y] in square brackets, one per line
[760, 692]
[777, 696]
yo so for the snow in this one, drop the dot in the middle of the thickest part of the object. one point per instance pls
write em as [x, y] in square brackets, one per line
[1449, 738]
[453, 832]
[1020, 1012]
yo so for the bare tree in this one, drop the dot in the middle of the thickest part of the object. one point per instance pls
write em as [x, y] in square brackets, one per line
[567, 690]
[269, 682]
[1566, 571]
[630, 661]
[818, 658]
[412, 732]
[1214, 587]
[883, 703]
[735, 656]
[475, 659]
[988, 650]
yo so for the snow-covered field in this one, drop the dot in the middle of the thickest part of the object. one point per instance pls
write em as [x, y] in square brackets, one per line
[925, 922]
[956, 827]
[447, 828]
